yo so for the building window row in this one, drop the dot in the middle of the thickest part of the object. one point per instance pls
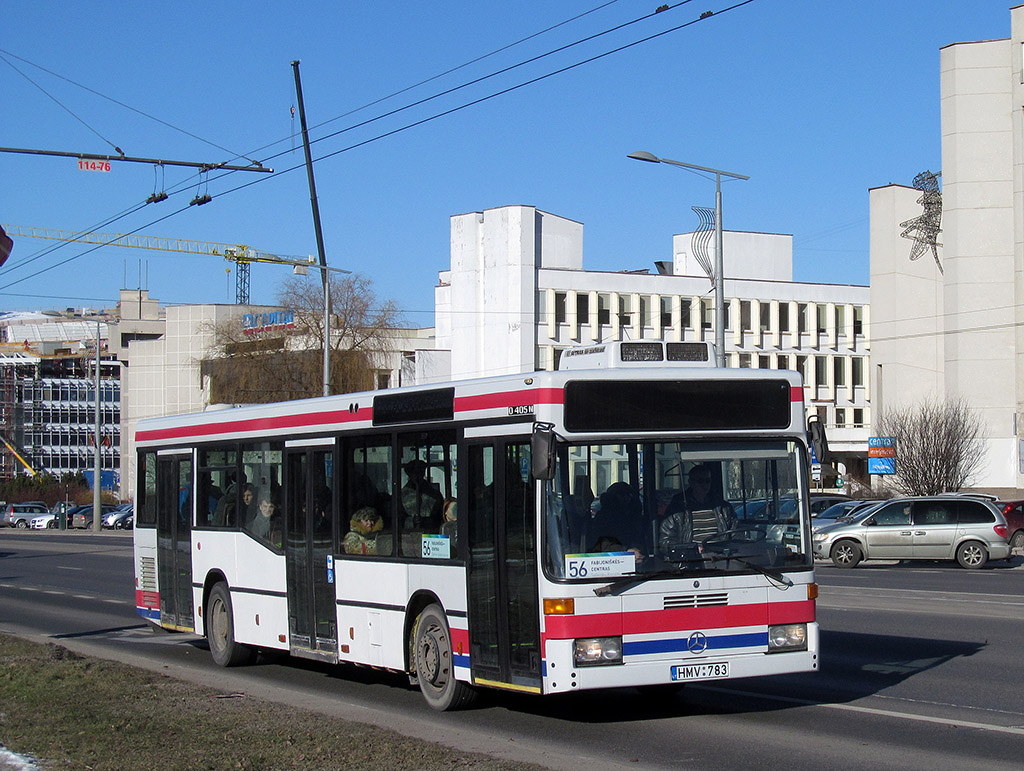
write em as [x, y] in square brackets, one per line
[613, 315]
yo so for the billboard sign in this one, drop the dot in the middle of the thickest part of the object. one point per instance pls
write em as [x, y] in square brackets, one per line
[881, 455]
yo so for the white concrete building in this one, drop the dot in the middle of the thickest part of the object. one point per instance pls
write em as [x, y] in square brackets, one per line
[517, 295]
[960, 331]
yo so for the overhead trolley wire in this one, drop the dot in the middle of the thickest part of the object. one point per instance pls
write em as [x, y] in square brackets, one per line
[501, 92]
[111, 99]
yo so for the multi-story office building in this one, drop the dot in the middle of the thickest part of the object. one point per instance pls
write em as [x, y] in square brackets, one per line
[48, 398]
[517, 295]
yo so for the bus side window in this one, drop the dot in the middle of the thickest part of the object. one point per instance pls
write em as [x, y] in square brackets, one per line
[217, 503]
[145, 496]
[262, 473]
[427, 479]
[365, 510]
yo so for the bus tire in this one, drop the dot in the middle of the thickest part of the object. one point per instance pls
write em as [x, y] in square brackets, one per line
[220, 630]
[435, 669]
[846, 554]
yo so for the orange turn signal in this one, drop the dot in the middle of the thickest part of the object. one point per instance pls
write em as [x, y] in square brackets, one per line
[812, 591]
[559, 606]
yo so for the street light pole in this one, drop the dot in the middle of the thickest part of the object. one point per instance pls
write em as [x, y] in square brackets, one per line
[719, 262]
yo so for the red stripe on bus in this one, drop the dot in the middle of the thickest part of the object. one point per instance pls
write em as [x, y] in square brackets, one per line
[460, 641]
[796, 393]
[525, 398]
[658, 621]
[255, 424]
[148, 600]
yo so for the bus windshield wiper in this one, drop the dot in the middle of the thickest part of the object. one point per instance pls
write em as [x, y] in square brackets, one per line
[615, 588]
[744, 560]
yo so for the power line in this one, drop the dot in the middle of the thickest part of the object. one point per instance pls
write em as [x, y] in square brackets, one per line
[111, 99]
[704, 16]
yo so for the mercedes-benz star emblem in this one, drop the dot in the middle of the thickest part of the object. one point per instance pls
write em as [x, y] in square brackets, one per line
[698, 642]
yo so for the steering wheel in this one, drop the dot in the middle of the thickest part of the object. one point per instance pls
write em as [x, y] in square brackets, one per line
[746, 534]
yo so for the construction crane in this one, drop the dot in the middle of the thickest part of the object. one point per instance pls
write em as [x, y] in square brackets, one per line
[240, 254]
[14, 451]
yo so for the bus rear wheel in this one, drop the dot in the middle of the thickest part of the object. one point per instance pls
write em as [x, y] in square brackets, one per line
[435, 669]
[220, 631]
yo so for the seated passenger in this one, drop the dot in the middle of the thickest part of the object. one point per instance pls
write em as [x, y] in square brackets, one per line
[617, 525]
[450, 525]
[266, 522]
[362, 538]
[421, 500]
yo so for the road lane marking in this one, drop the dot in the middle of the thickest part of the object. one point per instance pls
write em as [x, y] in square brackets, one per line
[1015, 730]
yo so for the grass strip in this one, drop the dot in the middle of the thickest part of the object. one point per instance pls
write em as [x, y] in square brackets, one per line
[77, 712]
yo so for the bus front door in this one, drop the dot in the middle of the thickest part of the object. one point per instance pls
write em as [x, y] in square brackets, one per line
[309, 554]
[174, 541]
[504, 613]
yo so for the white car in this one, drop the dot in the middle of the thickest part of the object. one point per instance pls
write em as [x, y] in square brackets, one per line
[43, 522]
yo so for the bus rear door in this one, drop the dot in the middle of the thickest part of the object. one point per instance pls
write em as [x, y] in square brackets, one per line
[309, 553]
[174, 541]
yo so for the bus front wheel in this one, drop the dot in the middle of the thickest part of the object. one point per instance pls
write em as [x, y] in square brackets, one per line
[220, 631]
[435, 669]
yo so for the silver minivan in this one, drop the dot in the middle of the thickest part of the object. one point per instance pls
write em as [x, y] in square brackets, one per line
[942, 527]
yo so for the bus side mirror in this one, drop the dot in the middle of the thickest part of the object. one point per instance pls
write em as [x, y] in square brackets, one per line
[817, 439]
[543, 445]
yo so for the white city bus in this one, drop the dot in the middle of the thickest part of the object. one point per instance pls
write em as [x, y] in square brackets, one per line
[532, 532]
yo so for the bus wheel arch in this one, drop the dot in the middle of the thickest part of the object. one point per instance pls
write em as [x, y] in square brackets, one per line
[219, 625]
[417, 604]
[435, 666]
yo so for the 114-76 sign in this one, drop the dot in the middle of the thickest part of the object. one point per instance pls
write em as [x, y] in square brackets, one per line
[881, 455]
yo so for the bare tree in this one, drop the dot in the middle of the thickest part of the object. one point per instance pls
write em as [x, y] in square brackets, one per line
[288, 363]
[940, 445]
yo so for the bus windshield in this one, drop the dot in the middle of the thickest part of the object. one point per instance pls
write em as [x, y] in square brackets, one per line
[642, 508]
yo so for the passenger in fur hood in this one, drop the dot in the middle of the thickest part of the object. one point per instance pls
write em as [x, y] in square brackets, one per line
[362, 538]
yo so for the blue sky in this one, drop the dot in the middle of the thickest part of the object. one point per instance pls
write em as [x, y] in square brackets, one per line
[815, 101]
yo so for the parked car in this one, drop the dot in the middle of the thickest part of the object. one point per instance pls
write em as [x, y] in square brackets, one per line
[81, 516]
[127, 522]
[846, 510]
[115, 518]
[43, 522]
[1014, 513]
[969, 530]
[821, 501]
[20, 514]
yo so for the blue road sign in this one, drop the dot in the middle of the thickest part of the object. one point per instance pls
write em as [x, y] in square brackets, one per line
[881, 465]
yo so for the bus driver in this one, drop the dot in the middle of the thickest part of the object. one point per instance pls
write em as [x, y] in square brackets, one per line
[695, 513]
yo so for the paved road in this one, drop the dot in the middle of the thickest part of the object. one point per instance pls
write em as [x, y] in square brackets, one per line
[921, 669]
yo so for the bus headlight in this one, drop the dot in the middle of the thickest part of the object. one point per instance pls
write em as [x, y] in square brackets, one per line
[595, 651]
[787, 637]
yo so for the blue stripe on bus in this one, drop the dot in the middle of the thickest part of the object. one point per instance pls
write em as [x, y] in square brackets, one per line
[150, 613]
[460, 661]
[715, 643]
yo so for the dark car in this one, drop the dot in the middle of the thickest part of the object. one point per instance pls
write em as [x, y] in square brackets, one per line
[81, 516]
[840, 511]
[1014, 513]
[821, 501]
